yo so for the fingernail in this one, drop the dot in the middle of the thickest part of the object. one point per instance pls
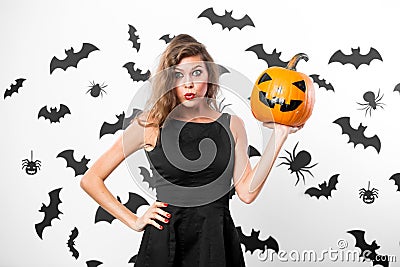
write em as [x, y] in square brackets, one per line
[166, 220]
[161, 227]
[168, 215]
[165, 204]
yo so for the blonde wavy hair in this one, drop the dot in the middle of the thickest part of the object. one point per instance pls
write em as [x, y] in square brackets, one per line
[162, 99]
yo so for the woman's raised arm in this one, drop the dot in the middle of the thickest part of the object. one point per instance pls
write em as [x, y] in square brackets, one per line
[249, 181]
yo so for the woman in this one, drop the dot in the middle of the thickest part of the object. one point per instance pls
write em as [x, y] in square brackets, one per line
[196, 229]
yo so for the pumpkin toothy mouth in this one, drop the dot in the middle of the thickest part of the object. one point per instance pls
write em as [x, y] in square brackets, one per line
[294, 104]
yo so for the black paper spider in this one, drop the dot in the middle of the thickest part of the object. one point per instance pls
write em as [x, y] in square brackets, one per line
[31, 167]
[372, 102]
[222, 106]
[96, 89]
[298, 163]
[368, 196]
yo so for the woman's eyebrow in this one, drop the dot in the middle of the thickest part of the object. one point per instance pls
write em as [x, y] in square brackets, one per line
[197, 66]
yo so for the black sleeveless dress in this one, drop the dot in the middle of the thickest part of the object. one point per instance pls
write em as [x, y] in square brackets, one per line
[192, 166]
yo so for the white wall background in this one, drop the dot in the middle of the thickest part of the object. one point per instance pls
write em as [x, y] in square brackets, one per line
[32, 32]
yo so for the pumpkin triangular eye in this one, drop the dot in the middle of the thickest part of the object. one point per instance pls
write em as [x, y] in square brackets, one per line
[301, 85]
[264, 78]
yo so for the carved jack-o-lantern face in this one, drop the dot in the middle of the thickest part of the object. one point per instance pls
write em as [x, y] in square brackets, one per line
[283, 95]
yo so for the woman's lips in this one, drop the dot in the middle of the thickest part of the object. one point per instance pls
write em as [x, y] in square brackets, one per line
[189, 96]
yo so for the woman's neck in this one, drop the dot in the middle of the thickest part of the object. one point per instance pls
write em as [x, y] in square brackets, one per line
[200, 113]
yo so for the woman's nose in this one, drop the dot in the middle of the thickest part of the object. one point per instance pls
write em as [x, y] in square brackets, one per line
[188, 84]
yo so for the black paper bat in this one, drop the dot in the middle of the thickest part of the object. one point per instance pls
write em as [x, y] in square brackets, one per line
[147, 177]
[232, 192]
[50, 212]
[271, 59]
[134, 202]
[368, 250]
[14, 87]
[54, 115]
[72, 59]
[355, 58]
[166, 38]
[222, 70]
[397, 88]
[121, 124]
[133, 259]
[133, 37]
[322, 82]
[80, 167]
[93, 263]
[226, 20]
[396, 178]
[252, 242]
[357, 136]
[71, 243]
[324, 189]
[253, 152]
[136, 74]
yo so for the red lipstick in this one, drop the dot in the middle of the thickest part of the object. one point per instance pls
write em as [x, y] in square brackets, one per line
[189, 96]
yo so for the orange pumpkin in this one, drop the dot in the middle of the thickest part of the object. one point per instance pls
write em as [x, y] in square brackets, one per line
[283, 95]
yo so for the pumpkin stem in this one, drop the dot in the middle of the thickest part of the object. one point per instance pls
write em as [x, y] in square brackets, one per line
[293, 62]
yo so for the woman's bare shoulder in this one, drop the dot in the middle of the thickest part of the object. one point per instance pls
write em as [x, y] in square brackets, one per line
[144, 119]
[237, 127]
[149, 128]
[236, 121]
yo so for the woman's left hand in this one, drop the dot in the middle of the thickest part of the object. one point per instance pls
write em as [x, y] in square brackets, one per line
[285, 128]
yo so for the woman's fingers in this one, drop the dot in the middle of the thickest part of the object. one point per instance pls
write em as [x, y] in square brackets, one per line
[295, 129]
[270, 125]
[155, 224]
[160, 218]
[292, 129]
[163, 213]
[159, 210]
[156, 213]
[160, 204]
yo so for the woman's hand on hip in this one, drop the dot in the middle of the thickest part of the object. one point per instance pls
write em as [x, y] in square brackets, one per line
[152, 216]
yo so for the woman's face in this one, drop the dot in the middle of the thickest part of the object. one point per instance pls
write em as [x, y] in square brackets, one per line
[191, 80]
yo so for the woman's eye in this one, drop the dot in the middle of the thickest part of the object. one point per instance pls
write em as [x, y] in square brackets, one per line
[178, 75]
[196, 73]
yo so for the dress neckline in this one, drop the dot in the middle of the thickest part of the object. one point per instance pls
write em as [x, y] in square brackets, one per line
[194, 122]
